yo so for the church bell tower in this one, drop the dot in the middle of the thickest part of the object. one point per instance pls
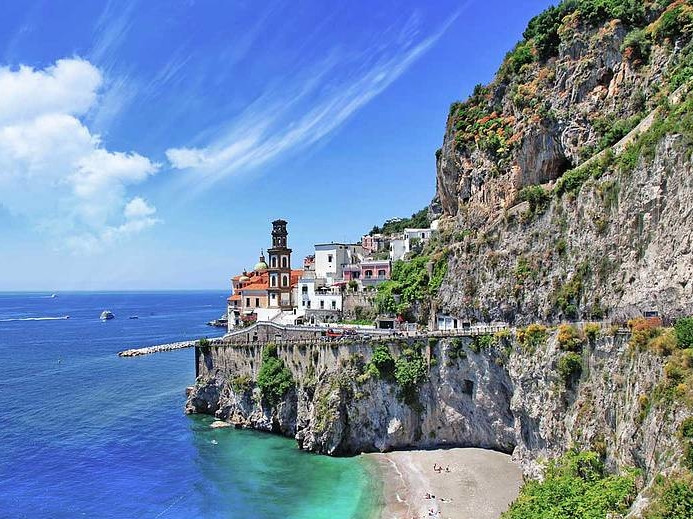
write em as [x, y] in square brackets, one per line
[279, 268]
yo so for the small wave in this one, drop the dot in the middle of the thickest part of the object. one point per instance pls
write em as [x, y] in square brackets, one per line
[14, 319]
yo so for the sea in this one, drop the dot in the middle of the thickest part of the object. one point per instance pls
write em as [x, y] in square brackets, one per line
[85, 433]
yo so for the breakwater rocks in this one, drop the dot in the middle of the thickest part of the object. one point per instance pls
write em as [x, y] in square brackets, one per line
[136, 352]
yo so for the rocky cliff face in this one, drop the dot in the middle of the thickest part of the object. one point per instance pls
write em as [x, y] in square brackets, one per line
[500, 394]
[538, 226]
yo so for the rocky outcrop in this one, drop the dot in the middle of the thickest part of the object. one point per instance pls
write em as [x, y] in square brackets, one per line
[616, 242]
[503, 397]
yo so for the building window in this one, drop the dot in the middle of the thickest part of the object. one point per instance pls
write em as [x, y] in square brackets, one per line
[257, 301]
[304, 289]
[329, 258]
[285, 262]
[274, 281]
[381, 273]
[285, 281]
[309, 303]
[274, 261]
[247, 301]
[369, 274]
[322, 304]
[334, 305]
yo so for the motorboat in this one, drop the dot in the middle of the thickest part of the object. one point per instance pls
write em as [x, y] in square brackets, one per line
[107, 315]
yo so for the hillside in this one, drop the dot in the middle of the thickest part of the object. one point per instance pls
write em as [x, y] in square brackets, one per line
[546, 214]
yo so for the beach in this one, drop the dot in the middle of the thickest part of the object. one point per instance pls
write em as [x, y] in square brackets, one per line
[473, 483]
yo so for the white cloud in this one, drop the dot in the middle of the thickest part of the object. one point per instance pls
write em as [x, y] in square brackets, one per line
[53, 170]
[138, 208]
[68, 87]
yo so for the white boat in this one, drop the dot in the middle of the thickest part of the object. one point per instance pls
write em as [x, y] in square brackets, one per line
[107, 315]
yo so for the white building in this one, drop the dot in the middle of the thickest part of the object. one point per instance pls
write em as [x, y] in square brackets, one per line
[408, 240]
[331, 258]
[316, 302]
[398, 248]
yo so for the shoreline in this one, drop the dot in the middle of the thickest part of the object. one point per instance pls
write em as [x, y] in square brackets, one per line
[480, 483]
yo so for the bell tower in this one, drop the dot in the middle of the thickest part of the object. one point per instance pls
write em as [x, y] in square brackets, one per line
[279, 267]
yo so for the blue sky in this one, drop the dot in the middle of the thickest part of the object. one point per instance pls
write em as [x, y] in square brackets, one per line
[147, 144]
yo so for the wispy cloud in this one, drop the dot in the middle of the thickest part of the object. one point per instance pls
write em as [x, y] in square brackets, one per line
[110, 30]
[301, 110]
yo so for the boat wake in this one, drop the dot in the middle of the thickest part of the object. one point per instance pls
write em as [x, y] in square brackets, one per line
[61, 318]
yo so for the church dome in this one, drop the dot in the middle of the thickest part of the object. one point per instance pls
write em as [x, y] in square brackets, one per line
[262, 264]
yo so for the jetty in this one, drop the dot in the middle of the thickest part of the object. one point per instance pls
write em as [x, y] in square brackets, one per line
[136, 352]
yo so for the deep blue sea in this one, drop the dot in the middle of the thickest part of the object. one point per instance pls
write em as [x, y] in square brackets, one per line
[84, 433]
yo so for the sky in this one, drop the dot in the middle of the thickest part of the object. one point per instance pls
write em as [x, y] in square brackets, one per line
[148, 144]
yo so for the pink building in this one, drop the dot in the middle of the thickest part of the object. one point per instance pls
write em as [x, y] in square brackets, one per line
[374, 243]
[375, 270]
[351, 272]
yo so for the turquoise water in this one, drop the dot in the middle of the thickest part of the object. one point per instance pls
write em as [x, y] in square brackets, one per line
[88, 434]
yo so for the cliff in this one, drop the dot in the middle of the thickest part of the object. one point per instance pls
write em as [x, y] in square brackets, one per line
[564, 188]
[512, 393]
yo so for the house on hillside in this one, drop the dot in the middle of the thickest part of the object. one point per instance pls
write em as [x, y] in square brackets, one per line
[331, 258]
[409, 240]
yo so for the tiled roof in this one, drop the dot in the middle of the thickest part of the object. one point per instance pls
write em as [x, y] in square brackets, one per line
[255, 286]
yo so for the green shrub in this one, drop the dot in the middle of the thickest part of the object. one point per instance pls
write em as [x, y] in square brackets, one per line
[381, 365]
[410, 373]
[672, 499]
[684, 332]
[572, 180]
[592, 331]
[569, 366]
[241, 383]
[537, 197]
[688, 455]
[531, 337]
[576, 486]
[683, 69]
[637, 45]
[274, 378]
[569, 338]
[456, 349]
[518, 57]
[411, 282]
[686, 428]
[612, 131]
[674, 22]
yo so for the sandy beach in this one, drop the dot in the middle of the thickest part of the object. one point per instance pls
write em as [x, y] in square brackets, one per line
[473, 483]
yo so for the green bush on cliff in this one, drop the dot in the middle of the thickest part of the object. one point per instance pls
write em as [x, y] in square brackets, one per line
[576, 486]
[672, 498]
[274, 378]
[410, 373]
[410, 283]
[537, 197]
[684, 332]
[544, 29]
[569, 366]
[532, 337]
[381, 365]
